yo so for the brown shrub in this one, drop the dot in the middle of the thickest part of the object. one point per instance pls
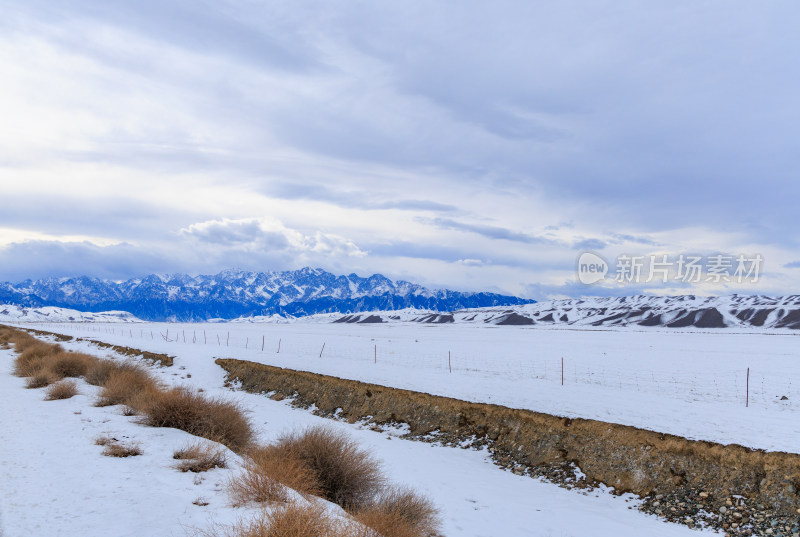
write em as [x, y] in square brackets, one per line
[344, 473]
[40, 379]
[124, 385]
[400, 512]
[34, 357]
[114, 448]
[280, 464]
[122, 450]
[61, 390]
[292, 520]
[69, 364]
[99, 371]
[200, 457]
[267, 473]
[214, 419]
[254, 484]
[23, 342]
[104, 440]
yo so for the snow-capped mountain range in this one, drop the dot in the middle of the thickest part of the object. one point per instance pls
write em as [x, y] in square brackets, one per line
[672, 312]
[234, 293]
[686, 311]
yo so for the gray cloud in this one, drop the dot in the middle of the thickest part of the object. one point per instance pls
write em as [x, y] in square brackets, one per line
[589, 244]
[619, 238]
[356, 199]
[120, 217]
[491, 232]
[42, 259]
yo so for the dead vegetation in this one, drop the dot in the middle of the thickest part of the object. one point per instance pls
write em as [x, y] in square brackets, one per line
[400, 512]
[63, 389]
[292, 520]
[182, 408]
[326, 462]
[125, 384]
[267, 473]
[200, 457]
[342, 472]
[115, 448]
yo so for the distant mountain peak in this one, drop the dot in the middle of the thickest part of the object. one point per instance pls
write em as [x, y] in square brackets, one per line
[236, 293]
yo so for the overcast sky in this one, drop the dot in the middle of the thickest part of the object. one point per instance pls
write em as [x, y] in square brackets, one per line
[471, 145]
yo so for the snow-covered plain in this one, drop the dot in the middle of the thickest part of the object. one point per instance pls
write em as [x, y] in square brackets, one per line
[55, 482]
[689, 383]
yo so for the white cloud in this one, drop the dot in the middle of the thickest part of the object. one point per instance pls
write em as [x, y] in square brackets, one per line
[272, 235]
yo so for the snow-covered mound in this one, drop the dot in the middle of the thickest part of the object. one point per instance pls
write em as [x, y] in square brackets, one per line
[274, 318]
[671, 311]
[49, 314]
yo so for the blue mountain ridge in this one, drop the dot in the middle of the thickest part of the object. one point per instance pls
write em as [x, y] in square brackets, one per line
[235, 293]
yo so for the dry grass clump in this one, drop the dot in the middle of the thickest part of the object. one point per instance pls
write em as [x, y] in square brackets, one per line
[122, 450]
[200, 457]
[99, 371]
[124, 385]
[267, 472]
[23, 341]
[33, 357]
[400, 512]
[45, 362]
[343, 472]
[114, 448]
[255, 484]
[69, 364]
[292, 520]
[61, 390]
[40, 379]
[181, 408]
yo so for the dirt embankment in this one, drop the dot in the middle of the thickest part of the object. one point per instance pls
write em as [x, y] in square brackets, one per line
[634, 460]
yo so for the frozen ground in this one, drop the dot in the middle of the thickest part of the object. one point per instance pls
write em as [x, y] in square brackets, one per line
[55, 481]
[689, 383]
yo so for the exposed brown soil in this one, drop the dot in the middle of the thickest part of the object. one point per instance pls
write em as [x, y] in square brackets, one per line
[646, 463]
[163, 359]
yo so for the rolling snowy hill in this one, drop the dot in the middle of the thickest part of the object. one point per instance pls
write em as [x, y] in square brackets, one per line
[671, 312]
[49, 314]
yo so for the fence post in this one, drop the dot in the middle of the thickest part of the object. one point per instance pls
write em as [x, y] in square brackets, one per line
[323, 348]
[449, 363]
[747, 400]
[562, 370]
